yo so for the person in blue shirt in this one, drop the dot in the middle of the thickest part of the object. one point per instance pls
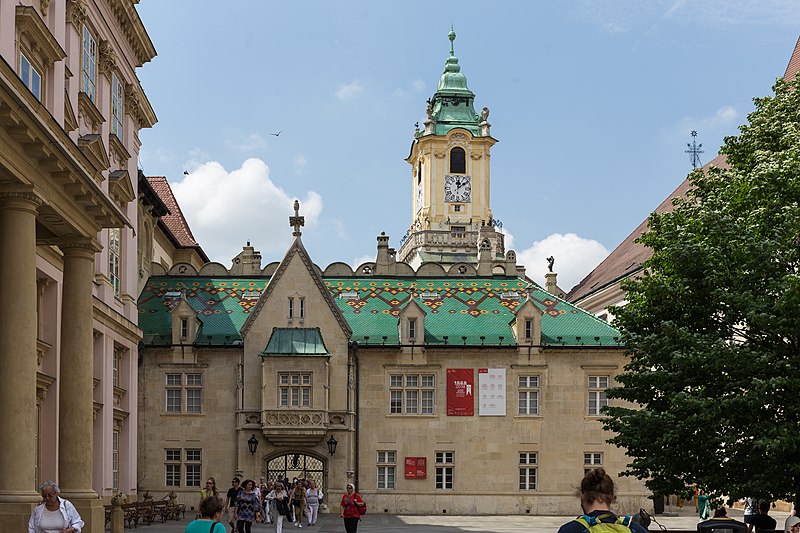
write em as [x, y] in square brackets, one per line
[597, 493]
[210, 516]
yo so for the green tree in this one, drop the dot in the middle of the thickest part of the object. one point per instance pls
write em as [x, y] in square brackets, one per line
[713, 327]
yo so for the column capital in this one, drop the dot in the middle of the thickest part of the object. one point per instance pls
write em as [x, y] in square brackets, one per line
[24, 195]
[75, 245]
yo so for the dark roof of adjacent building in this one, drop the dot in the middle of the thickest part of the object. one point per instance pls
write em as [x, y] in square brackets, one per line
[627, 258]
[472, 311]
[174, 222]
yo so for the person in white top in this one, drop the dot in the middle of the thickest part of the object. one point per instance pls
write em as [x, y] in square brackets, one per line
[313, 497]
[54, 514]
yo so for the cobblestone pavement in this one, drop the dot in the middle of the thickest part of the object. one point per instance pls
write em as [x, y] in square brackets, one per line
[375, 523]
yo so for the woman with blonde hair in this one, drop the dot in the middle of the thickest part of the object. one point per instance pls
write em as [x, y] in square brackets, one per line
[597, 493]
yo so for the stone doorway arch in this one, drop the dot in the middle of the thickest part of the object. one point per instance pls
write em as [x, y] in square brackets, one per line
[297, 464]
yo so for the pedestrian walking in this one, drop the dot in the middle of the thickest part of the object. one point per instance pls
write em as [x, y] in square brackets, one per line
[350, 504]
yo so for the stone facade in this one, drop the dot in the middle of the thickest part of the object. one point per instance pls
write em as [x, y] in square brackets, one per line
[69, 339]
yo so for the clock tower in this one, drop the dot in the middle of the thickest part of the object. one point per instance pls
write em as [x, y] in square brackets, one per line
[450, 179]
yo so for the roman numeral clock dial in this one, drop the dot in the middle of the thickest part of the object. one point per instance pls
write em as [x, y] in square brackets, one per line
[457, 189]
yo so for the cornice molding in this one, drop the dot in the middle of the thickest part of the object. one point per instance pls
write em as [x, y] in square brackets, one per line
[35, 32]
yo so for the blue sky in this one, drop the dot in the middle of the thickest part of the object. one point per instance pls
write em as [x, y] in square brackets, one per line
[592, 103]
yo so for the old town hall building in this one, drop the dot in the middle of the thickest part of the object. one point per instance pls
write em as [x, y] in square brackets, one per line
[430, 377]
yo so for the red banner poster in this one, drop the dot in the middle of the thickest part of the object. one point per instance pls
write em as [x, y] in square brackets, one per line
[416, 468]
[460, 395]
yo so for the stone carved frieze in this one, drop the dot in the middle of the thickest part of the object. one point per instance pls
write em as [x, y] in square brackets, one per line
[294, 418]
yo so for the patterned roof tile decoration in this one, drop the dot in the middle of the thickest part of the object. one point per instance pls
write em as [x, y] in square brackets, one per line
[463, 310]
[223, 305]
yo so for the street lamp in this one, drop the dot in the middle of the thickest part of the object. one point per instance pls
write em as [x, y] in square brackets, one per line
[332, 445]
[252, 444]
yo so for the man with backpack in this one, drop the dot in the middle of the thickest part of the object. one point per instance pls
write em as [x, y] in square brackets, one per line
[597, 494]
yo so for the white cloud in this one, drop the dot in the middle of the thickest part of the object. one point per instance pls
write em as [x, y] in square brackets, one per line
[350, 90]
[418, 85]
[300, 164]
[197, 157]
[717, 123]
[574, 256]
[225, 209]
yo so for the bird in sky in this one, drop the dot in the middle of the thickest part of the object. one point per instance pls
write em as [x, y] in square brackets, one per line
[276, 134]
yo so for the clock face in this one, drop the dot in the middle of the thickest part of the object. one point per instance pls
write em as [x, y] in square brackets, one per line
[419, 197]
[457, 189]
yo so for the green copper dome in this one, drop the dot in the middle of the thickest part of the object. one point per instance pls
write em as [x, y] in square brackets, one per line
[453, 103]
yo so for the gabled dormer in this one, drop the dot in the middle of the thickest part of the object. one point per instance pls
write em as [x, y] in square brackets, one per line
[411, 324]
[185, 323]
[527, 324]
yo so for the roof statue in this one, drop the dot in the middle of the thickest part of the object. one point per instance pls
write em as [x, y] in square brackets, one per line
[297, 221]
[550, 261]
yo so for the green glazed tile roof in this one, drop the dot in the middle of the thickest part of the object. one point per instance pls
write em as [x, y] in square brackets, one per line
[295, 341]
[223, 305]
[461, 309]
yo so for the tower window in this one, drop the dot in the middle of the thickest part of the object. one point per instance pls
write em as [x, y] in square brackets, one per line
[458, 161]
[419, 172]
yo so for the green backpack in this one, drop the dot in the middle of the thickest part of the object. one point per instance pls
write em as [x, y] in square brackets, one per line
[593, 524]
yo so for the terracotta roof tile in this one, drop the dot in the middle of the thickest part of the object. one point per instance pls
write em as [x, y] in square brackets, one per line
[174, 221]
[794, 63]
[628, 257]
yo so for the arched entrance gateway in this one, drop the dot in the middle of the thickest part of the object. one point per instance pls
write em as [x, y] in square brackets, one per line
[297, 465]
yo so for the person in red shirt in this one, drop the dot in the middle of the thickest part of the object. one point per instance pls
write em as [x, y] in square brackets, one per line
[351, 501]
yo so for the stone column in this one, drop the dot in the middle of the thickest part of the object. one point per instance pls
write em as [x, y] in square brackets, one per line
[76, 381]
[18, 333]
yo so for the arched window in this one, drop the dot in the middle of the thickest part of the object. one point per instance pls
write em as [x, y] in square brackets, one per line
[458, 161]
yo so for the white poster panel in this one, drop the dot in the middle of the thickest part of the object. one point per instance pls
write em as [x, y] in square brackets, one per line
[492, 390]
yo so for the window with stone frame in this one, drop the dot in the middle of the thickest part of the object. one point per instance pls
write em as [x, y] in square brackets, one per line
[114, 261]
[592, 460]
[295, 389]
[387, 467]
[597, 394]
[458, 161]
[194, 466]
[528, 395]
[117, 108]
[445, 470]
[184, 393]
[115, 460]
[172, 467]
[89, 64]
[528, 462]
[30, 75]
[116, 362]
[412, 394]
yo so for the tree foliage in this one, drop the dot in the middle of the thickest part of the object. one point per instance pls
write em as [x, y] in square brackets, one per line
[713, 326]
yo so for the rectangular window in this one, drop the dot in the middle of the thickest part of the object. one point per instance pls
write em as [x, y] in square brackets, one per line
[193, 467]
[114, 259]
[89, 65]
[294, 389]
[592, 460]
[172, 467]
[30, 76]
[302, 308]
[412, 328]
[115, 366]
[387, 464]
[412, 394]
[117, 109]
[184, 328]
[597, 394]
[527, 470]
[528, 329]
[444, 470]
[528, 391]
[194, 390]
[184, 393]
[115, 460]
[291, 307]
